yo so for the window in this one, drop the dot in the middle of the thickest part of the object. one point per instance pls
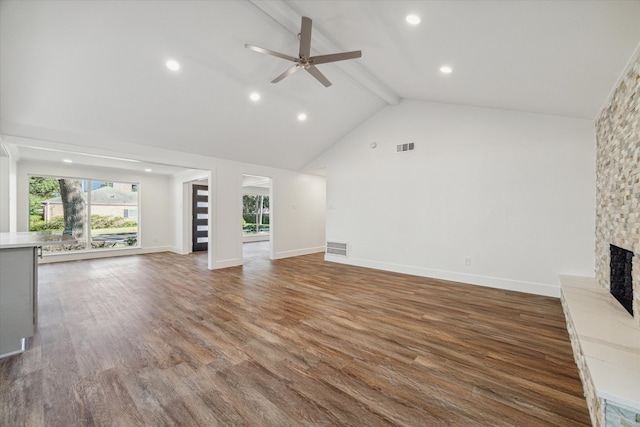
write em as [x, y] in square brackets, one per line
[255, 214]
[92, 214]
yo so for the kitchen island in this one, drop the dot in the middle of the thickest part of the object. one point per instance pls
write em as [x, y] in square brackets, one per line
[19, 254]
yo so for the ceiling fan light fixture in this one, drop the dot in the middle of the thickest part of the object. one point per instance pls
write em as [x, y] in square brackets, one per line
[173, 65]
[255, 96]
[302, 117]
[445, 69]
[412, 19]
[304, 60]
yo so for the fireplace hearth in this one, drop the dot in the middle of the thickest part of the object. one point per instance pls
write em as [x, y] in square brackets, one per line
[621, 279]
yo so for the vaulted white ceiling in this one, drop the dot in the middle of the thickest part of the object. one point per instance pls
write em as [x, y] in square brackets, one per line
[94, 71]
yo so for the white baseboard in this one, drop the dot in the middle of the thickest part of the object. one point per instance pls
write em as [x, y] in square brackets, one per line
[298, 252]
[178, 250]
[226, 263]
[491, 282]
[104, 253]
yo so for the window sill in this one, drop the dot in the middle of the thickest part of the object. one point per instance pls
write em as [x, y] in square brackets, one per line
[60, 256]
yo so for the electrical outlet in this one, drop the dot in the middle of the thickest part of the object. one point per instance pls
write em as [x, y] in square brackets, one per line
[467, 261]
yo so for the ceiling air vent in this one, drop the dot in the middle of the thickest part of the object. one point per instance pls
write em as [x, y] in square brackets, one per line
[337, 248]
[410, 146]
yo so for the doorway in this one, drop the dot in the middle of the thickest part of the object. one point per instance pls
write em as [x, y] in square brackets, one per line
[200, 218]
[256, 218]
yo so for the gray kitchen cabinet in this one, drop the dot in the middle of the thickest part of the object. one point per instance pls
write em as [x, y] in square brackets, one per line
[18, 297]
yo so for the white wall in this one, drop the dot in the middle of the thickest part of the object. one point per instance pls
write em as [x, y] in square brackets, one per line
[225, 219]
[7, 194]
[297, 212]
[156, 218]
[4, 193]
[297, 205]
[514, 192]
[297, 228]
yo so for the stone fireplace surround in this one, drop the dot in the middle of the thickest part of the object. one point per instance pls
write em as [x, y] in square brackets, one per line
[604, 337]
[618, 179]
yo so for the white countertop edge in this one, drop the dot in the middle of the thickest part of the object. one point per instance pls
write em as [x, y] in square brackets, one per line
[25, 239]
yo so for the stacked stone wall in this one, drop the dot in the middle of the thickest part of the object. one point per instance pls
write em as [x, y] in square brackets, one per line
[590, 393]
[618, 179]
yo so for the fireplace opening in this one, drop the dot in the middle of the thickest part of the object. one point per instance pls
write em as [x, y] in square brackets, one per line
[621, 280]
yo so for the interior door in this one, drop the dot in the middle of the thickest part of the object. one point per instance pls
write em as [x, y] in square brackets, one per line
[200, 221]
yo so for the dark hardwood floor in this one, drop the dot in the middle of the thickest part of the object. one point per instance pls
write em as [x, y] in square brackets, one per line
[160, 340]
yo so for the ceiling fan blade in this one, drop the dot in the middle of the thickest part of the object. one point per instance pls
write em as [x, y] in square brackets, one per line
[323, 59]
[318, 75]
[271, 52]
[305, 38]
[288, 72]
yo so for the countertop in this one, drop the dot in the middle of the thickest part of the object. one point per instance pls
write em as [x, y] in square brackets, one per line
[27, 239]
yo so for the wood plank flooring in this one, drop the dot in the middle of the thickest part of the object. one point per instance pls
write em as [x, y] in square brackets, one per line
[160, 340]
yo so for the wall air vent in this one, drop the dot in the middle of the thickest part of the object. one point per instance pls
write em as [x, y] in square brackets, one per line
[410, 146]
[337, 248]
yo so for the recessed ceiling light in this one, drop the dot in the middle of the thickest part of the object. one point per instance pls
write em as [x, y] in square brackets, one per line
[147, 170]
[173, 65]
[412, 19]
[255, 96]
[445, 69]
[302, 117]
[67, 161]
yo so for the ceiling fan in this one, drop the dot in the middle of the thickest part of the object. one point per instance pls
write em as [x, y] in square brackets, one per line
[304, 59]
